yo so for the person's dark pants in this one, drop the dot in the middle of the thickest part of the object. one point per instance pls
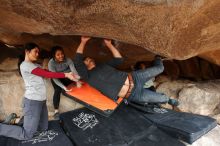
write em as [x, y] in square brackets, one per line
[35, 119]
[58, 91]
[140, 94]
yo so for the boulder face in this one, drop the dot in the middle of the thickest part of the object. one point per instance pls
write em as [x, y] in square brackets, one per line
[172, 28]
[194, 97]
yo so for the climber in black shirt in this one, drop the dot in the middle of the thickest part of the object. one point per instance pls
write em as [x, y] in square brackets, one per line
[114, 83]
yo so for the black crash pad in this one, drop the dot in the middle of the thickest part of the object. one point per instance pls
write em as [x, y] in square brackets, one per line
[3, 141]
[185, 126]
[54, 136]
[125, 127]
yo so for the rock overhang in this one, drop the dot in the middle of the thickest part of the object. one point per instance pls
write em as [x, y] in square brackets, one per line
[172, 28]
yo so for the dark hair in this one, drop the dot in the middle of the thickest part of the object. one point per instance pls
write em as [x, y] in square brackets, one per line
[85, 57]
[27, 47]
[54, 49]
[137, 66]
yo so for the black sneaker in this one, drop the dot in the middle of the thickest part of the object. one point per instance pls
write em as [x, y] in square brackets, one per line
[173, 102]
[10, 119]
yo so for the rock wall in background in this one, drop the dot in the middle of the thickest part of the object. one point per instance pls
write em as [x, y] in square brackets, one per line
[195, 97]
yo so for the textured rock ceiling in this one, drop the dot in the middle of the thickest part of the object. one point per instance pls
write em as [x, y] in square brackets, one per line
[177, 29]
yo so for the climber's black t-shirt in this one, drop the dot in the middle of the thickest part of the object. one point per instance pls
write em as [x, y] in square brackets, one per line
[104, 77]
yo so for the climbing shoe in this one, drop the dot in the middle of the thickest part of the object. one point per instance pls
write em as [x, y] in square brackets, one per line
[56, 116]
[173, 102]
[10, 120]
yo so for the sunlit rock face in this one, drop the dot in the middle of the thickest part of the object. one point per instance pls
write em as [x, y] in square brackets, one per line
[172, 28]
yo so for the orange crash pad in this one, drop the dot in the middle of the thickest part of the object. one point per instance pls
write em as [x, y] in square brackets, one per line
[93, 99]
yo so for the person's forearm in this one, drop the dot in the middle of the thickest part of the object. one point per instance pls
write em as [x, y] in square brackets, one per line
[81, 47]
[114, 51]
[47, 74]
[74, 71]
[58, 83]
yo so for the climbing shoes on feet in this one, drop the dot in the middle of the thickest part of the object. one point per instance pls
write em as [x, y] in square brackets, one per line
[10, 120]
[173, 102]
[56, 116]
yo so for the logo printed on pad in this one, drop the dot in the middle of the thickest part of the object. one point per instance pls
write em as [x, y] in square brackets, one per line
[85, 121]
[160, 110]
[48, 135]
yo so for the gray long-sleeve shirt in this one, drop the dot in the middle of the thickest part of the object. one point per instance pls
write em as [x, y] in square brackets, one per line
[35, 88]
[66, 66]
